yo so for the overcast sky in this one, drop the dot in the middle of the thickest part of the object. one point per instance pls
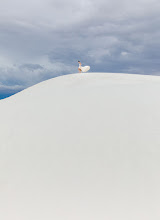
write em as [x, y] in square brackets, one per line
[40, 39]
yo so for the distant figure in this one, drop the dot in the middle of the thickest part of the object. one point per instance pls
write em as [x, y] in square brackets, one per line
[80, 66]
[83, 68]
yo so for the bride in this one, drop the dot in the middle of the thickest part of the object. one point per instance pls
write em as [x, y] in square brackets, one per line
[83, 68]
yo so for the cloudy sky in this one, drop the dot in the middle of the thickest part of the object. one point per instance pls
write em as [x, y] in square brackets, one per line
[41, 39]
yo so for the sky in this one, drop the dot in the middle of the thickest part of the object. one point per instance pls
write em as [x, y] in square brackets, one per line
[43, 39]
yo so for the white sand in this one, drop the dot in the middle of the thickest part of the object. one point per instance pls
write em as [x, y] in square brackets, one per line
[82, 147]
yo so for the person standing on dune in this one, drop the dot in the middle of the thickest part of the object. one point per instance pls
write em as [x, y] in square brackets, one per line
[79, 68]
[83, 69]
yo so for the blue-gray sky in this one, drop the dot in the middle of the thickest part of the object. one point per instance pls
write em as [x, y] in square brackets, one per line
[43, 39]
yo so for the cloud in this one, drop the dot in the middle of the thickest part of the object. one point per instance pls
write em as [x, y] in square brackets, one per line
[10, 89]
[29, 74]
[44, 39]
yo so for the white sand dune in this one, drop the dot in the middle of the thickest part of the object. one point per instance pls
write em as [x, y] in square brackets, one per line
[82, 147]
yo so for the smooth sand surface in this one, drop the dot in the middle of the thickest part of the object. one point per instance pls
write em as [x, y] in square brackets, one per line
[82, 147]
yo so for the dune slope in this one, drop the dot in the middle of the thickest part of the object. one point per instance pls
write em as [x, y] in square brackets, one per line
[82, 146]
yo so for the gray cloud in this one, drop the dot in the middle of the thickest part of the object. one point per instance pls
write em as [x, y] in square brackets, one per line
[44, 39]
